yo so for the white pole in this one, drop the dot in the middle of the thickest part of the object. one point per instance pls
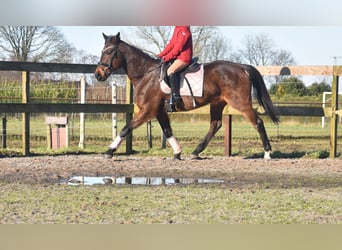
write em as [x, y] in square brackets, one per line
[82, 124]
[114, 120]
[323, 106]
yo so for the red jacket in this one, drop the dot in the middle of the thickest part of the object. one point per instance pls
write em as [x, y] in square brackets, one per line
[180, 45]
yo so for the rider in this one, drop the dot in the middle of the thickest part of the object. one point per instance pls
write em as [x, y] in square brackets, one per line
[178, 49]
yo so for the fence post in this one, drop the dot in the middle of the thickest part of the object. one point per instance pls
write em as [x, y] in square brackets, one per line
[228, 135]
[334, 108]
[82, 124]
[25, 85]
[114, 120]
[3, 132]
[129, 116]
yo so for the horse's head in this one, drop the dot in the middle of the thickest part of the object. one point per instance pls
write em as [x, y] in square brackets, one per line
[111, 57]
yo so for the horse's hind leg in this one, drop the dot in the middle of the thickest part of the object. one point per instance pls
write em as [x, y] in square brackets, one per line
[258, 124]
[215, 125]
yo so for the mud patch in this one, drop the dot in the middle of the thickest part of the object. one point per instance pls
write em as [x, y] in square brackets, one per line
[146, 181]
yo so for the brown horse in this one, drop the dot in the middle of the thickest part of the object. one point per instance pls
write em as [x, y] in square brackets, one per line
[224, 83]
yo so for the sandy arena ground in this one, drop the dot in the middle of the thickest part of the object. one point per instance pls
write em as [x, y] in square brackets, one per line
[235, 171]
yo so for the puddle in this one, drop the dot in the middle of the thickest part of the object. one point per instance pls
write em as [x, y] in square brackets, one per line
[147, 181]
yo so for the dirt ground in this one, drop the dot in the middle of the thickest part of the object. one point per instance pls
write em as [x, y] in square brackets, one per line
[235, 171]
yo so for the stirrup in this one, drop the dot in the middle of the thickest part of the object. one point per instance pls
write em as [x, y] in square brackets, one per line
[171, 108]
[174, 100]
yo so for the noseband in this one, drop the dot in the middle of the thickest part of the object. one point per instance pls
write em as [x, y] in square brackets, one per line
[113, 54]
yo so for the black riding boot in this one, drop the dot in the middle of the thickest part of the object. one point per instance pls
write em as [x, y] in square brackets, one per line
[175, 97]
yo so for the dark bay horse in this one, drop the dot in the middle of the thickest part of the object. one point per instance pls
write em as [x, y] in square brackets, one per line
[224, 83]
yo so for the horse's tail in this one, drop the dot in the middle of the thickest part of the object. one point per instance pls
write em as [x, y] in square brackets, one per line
[262, 93]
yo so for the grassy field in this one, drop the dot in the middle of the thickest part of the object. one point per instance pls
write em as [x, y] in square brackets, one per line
[22, 203]
[294, 137]
[183, 204]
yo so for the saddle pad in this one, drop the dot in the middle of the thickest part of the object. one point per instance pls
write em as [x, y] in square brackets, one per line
[195, 80]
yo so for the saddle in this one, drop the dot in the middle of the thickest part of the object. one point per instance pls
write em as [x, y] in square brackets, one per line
[194, 66]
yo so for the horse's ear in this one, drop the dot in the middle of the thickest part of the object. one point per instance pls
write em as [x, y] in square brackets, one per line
[118, 35]
[104, 36]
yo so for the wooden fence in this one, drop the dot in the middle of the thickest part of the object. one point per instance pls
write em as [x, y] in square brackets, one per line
[332, 112]
[26, 107]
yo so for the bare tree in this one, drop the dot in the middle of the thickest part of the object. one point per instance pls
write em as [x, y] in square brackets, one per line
[153, 38]
[82, 57]
[260, 50]
[283, 57]
[220, 48]
[34, 43]
[207, 43]
[202, 40]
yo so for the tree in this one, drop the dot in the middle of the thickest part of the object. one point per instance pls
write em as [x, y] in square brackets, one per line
[208, 45]
[219, 48]
[282, 58]
[280, 91]
[82, 57]
[34, 43]
[317, 89]
[152, 38]
[260, 50]
[289, 86]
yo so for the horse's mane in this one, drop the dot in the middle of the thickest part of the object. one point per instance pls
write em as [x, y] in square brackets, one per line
[140, 52]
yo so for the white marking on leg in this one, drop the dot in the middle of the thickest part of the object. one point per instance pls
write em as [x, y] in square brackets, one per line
[267, 155]
[116, 143]
[175, 145]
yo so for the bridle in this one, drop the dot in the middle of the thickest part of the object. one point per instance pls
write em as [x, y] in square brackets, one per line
[113, 54]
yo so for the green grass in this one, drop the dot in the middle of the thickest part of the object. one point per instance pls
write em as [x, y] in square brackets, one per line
[192, 126]
[294, 137]
[21, 203]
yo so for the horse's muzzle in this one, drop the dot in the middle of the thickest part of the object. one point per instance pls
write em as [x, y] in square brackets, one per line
[100, 74]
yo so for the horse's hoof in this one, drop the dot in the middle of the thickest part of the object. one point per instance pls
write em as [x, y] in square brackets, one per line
[177, 157]
[108, 156]
[109, 153]
[195, 157]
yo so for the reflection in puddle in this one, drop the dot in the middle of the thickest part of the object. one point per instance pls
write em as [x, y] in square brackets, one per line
[86, 180]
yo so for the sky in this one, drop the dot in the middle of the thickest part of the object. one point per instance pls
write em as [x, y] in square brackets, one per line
[309, 45]
[310, 30]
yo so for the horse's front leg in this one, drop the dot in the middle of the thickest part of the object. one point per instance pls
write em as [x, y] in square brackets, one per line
[138, 120]
[164, 122]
